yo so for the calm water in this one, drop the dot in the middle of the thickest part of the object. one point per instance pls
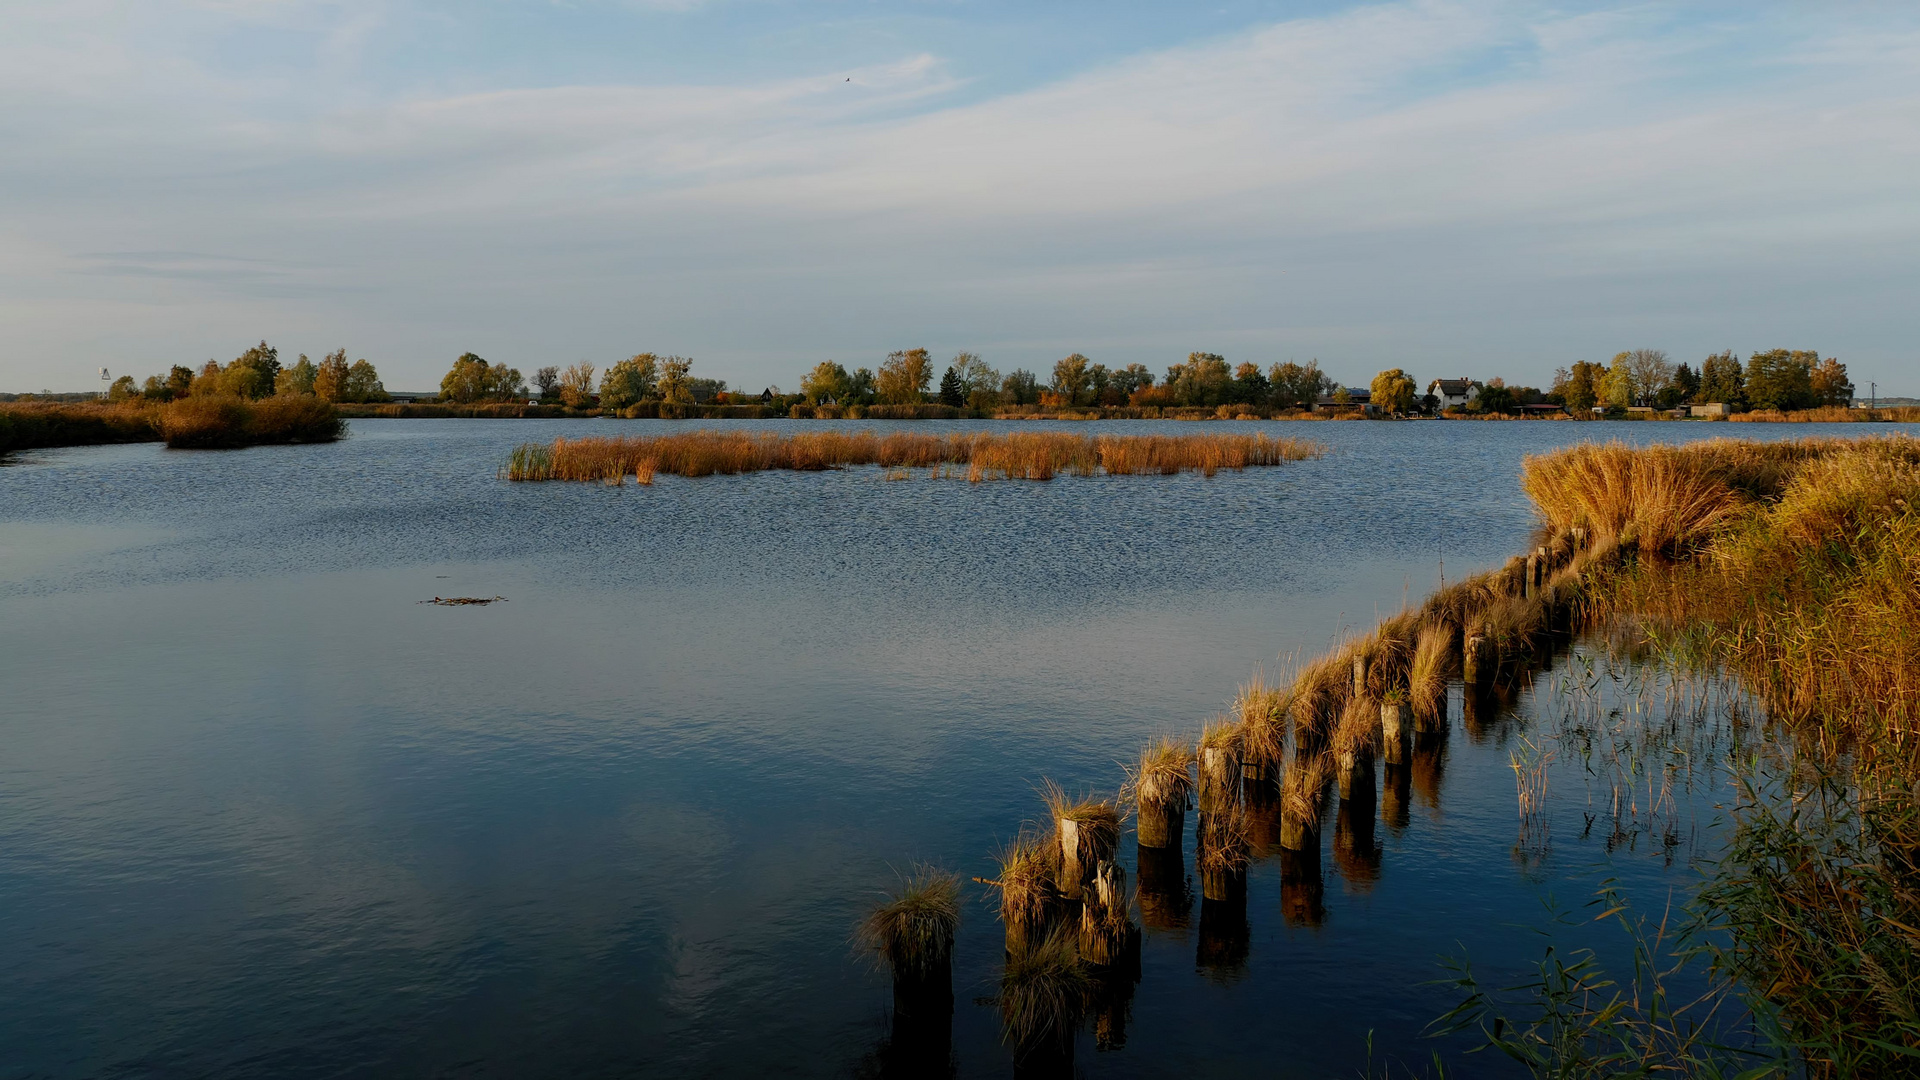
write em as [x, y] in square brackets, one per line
[263, 813]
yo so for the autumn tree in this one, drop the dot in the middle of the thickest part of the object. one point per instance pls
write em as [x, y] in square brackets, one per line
[473, 379]
[1070, 379]
[252, 373]
[676, 384]
[1203, 380]
[547, 380]
[1020, 387]
[1393, 391]
[330, 377]
[827, 381]
[632, 380]
[1830, 383]
[1651, 371]
[296, 378]
[903, 379]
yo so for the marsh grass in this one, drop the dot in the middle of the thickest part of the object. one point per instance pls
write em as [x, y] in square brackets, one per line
[1429, 673]
[1029, 894]
[216, 422]
[1164, 778]
[912, 933]
[984, 455]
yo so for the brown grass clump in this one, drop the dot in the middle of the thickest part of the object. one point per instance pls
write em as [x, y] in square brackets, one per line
[1319, 692]
[1434, 661]
[1028, 892]
[1666, 495]
[1261, 712]
[1026, 455]
[1164, 780]
[1098, 820]
[1301, 791]
[1226, 843]
[912, 933]
[1357, 734]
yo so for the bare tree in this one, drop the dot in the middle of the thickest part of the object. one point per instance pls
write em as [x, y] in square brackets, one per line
[1651, 371]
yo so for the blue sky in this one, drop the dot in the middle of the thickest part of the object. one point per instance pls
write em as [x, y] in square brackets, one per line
[1452, 188]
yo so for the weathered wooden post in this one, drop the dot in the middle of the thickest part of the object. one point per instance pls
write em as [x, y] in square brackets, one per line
[1394, 730]
[1354, 773]
[1477, 662]
[1104, 925]
[1360, 675]
[1071, 871]
[1219, 779]
[1533, 574]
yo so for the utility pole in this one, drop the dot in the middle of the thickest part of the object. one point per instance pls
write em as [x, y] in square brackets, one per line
[1873, 391]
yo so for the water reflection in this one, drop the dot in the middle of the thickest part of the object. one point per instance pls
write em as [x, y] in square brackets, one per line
[1303, 890]
[1166, 896]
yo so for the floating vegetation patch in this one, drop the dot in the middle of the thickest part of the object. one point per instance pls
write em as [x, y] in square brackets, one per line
[464, 601]
[1031, 455]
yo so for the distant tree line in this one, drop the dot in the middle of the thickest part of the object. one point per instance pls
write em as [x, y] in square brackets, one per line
[258, 373]
[1783, 379]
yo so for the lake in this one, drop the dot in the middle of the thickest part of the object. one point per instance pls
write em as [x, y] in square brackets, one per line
[263, 812]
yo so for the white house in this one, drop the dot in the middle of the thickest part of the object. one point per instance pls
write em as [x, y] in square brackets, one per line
[1453, 393]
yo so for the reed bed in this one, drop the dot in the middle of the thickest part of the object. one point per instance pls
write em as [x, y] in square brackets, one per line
[1029, 896]
[1433, 665]
[983, 455]
[200, 423]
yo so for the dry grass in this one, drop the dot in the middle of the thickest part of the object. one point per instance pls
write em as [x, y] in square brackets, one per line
[1301, 791]
[1098, 820]
[1358, 732]
[1164, 779]
[912, 933]
[1028, 892]
[985, 455]
[30, 425]
[1657, 494]
[1830, 414]
[190, 423]
[1433, 666]
[1260, 712]
[1226, 843]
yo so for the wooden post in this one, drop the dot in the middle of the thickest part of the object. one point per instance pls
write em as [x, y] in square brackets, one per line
[1070, 869]
[1360, 676]
[1393, 731]
[1533, 575]
[1161, 826]
[1103, 919]
[1476, 664]
[1219, 780]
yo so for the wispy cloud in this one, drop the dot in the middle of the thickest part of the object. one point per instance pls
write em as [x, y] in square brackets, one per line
[1470, 181]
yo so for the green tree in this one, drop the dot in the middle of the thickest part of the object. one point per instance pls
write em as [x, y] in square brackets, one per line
[123, 389]
[1296, 386]
[473, 379]
[950, 393]
[676, 379]
[904, 377]
[1495, 397]
[1781, 379]
[296, 379]
[1070, 379]
[252, 373]
[1203, 380]
[1721, 380]
[1687, 381]
[1393, 391]
[632, 380]
[827, 381]
[1021, 388]
[1250, 386]
[363, 383]
[1125, 382]
[1616, 389]
[330, 378]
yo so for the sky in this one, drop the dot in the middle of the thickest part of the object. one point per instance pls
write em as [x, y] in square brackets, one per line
[1472, 189]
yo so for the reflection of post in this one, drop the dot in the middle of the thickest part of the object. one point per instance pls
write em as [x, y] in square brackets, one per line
[1353, 846]
[922, 1042]
[1393, 796]
[1302, 888]
[1165, 902]
[1429, 766]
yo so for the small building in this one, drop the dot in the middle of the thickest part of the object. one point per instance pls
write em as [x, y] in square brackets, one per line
[1453, 393]
[1711, 408]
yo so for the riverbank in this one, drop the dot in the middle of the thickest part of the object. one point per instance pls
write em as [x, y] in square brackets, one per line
[191, 423]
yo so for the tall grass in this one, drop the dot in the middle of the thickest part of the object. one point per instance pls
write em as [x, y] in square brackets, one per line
[216, 422]
[984, 455]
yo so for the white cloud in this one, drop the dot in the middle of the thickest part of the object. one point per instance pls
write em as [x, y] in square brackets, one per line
[1467, 180]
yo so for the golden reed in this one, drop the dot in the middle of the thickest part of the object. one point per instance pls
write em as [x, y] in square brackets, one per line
[1035, 455]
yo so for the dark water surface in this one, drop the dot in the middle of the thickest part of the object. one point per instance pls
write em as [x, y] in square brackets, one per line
[263, 813]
